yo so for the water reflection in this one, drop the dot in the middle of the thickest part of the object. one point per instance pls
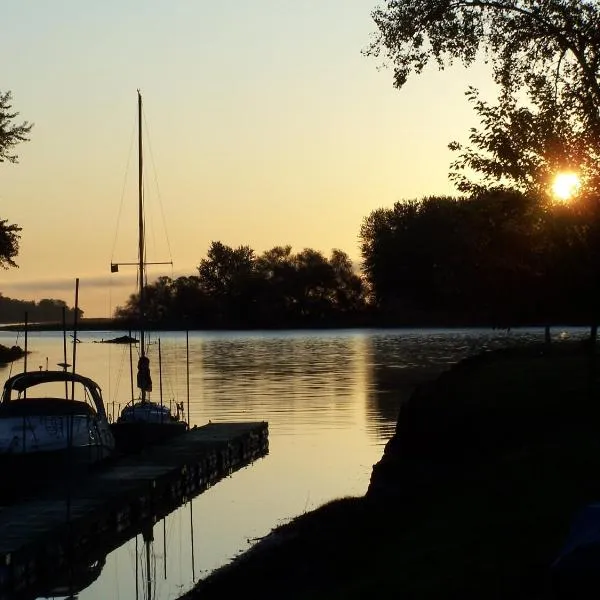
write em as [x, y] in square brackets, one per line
[306, 377]
[79, 577]
[146, 563]
[331, 399]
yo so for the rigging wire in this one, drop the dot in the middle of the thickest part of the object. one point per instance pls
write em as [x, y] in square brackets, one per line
[160, 202]
[12, 362]
[125, 177]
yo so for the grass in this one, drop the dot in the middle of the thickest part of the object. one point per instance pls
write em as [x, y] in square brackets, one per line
[472, 499]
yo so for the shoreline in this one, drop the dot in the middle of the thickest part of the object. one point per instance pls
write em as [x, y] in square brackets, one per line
[109, 324]
[473, 497]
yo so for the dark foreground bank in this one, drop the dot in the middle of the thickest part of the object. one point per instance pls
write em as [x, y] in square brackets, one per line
[473, 497]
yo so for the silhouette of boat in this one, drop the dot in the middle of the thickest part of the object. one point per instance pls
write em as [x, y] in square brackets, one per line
[52, 425]
[144, 421]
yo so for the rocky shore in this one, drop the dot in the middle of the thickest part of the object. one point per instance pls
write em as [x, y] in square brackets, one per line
[9, 354]
[473, 497]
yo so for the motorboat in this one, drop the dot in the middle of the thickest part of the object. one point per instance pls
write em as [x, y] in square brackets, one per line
[52, 419]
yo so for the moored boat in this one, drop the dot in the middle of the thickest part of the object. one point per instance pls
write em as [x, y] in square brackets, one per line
[52, 425]
[144, 421]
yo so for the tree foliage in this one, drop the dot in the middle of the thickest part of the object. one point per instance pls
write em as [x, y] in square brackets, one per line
[495, 259]
[44, 311]
[11, 133]
[528, 41]
[236, 288]
[545, 58]
[523, 148]
[9, 244]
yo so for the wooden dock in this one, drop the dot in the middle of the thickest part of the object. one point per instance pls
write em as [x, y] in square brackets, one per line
[107, 507]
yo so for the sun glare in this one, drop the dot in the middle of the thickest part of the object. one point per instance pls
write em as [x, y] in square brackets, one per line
[565, 186]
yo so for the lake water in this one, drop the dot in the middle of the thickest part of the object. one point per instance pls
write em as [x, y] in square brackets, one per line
[331, 399]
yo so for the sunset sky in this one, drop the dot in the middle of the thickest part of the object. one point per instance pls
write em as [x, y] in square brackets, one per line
[265, 126]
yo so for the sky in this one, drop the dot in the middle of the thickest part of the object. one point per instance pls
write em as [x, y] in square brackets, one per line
[264, 125]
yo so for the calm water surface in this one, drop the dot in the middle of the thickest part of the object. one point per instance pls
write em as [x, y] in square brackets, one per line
[331, 399]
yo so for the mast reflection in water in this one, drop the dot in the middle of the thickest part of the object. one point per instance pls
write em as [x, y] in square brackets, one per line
[331, 399]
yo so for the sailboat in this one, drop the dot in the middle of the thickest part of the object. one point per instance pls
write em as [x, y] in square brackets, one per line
[144, 421]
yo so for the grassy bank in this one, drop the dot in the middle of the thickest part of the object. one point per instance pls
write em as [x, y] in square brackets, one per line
[472, 499]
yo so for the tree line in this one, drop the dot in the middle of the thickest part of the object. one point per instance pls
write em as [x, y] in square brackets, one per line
[499, 259]
[44, 311]
[235, 287]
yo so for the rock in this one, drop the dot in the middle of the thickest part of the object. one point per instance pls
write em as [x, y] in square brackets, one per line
[10, 354]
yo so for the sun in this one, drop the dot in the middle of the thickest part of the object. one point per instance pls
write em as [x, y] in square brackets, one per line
[565, 186]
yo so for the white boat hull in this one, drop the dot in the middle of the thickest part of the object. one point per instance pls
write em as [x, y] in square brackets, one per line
[35, 421]
[51, 433]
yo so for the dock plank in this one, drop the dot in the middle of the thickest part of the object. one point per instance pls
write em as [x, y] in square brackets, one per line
[38, 535]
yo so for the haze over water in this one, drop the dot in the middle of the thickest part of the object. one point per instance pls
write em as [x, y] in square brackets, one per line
[331, 399]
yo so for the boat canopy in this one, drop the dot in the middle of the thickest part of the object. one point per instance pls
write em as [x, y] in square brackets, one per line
[23, 381]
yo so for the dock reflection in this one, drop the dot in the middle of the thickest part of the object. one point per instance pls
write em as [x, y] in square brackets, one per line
[58, 543]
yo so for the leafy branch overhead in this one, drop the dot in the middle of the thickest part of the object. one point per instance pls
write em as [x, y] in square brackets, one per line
[10, 133]
[545, 60]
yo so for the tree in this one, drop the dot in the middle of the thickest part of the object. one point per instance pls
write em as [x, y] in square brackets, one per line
[277, 271]
[523, 148]
[228, 276]
[10, 133]
[528, 41]
[460, 259]
[349, 288]
[545, 57]
[9, 244]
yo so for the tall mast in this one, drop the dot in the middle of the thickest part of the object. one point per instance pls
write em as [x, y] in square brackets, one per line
[141, 244]
[144, 380]
[143, 363]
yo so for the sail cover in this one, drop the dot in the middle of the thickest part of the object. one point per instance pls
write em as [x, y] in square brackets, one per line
[144, 381]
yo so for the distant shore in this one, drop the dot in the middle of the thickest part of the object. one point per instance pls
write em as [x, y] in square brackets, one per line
[113, 324]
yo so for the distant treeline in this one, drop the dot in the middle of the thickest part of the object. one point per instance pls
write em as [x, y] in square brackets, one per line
[46, 310]
[500, 259]
[237, 288]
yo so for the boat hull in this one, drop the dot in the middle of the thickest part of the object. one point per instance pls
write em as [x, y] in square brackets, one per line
[46, 439]
[36, 434]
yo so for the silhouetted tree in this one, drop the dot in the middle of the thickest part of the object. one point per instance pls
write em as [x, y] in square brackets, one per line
[11, 134]
[9, 244]
[236, 288]
[348, 292]
[545, 59]
[494, 258]
[277, 271]
[529, 43]
[159, 299]
[228, 276]
[46, 310]
[190, 302]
